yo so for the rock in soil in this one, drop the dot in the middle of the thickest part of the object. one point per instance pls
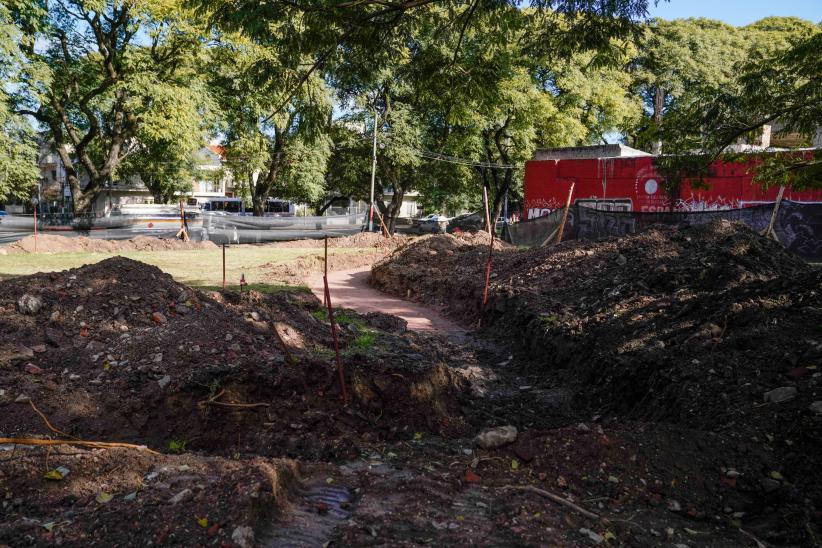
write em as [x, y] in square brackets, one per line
[496, 437]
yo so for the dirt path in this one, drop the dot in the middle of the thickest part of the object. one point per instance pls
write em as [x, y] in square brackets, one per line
[350, 289]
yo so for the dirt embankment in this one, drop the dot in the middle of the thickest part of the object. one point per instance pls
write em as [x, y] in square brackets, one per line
[49, 243]
[713, 327]
[359, 240]
[445, 270]
[118, 351]
[370, 247]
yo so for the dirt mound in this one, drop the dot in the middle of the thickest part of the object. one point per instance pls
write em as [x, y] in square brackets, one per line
[444, 270]
[48, 243]
[125, 497]
[359, 240]
[119, 350]
[374, 247]
[295, 272]
[711, 326]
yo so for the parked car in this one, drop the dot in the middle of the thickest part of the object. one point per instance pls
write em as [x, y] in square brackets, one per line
[434, 223]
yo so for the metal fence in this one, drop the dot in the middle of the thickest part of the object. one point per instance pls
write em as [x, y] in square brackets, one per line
[798, 225]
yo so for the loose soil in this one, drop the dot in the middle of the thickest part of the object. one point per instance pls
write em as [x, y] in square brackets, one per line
[356, 241]
[636, 433]
[690, 326]
[49, 243]
[370, 247]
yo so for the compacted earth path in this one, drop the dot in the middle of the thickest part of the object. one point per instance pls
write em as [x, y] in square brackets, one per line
[350, 289]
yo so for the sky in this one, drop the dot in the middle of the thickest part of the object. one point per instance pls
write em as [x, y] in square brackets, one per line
[738, 12]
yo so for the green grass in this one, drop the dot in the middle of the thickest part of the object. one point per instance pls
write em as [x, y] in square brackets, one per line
[195, 267]
[177, 446]
[364, 341]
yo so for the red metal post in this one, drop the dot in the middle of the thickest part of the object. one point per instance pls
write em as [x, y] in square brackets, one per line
[488, 270]
[343, 392]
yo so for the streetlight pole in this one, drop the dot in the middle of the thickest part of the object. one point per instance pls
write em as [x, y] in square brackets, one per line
[373, 172]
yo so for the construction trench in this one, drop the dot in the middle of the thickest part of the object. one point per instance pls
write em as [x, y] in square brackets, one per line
[658, 389]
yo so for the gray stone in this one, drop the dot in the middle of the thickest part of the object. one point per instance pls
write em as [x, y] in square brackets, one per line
[164, 381]
[816, 407]
[183, 309]
[182, 496]
[22, 398]
[496, 437]
[781, 394]
[621, 260]
[674, 505]
[243, 536]
[29, 304]
[595, 537]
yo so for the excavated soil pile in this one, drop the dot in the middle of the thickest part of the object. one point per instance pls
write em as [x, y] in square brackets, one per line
[371, 248]
[122, 497]
[709, 326]
[445, 270]
[48, 243]
[119, 350]
[359, 240]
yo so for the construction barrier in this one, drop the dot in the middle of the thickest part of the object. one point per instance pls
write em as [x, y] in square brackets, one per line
[217, 227]
[798, 225]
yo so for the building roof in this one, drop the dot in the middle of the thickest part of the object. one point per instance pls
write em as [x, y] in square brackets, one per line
[219, 150]
[596, 151]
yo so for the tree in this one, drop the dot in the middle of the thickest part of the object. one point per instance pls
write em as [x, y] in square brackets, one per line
[785, 87]
[165, 152]
[102, 75]
[285, 149]
[18, 149]
[680, 57]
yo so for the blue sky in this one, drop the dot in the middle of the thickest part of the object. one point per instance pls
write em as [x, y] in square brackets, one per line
[738, 12]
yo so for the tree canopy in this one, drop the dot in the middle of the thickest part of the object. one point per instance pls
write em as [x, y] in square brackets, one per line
[463, 92]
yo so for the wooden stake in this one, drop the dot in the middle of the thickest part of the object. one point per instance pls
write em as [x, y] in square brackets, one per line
[35, 228]
[565, 214]
[769, 232]
[182, 233]
[487, 209]
[382, 224]
[223, 267]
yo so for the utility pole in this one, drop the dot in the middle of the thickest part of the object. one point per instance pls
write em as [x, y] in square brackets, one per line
[373, 172]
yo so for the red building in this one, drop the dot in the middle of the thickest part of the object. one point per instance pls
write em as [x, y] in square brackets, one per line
[619, 178]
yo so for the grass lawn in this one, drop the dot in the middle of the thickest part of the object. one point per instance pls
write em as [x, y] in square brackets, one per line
[196, 267]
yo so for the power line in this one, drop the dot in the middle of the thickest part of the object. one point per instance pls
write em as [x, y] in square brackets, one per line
[435, 156]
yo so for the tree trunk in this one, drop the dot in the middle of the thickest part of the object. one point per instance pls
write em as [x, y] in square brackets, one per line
[258, 201]
[659, 105]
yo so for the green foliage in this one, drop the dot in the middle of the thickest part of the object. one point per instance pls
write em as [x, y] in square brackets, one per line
[321, 314]
[680, 59]
[109, 80]
[177, 446]
[363, 341]
[784, 88]
[276, 147]
[18, 149]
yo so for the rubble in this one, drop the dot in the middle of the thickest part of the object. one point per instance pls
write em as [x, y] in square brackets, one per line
[692, 328]
[493, 438]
